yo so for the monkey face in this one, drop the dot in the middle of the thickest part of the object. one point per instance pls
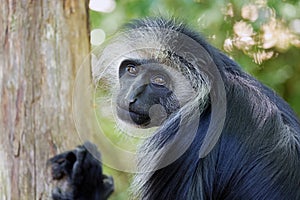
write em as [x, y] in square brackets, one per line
[145, 98]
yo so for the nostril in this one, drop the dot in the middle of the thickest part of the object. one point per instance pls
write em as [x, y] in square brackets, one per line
[132, 100]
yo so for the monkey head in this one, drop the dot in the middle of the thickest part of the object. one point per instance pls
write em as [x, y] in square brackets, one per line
[149, 92]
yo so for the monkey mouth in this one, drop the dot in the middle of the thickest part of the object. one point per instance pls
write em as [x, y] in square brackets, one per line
[132, 117]
[140, 119]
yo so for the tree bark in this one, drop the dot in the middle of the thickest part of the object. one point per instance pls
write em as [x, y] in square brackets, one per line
[42, 43]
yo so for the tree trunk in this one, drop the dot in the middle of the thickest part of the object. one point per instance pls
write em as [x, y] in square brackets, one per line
[42, 43]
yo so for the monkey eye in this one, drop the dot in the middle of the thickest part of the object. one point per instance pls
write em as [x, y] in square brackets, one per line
[159, 80]
[132, 69]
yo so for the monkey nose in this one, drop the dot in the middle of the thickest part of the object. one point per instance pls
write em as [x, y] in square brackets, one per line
[134, 93]
[132, 100]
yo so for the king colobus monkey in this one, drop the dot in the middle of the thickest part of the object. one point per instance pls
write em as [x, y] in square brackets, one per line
[220, 133]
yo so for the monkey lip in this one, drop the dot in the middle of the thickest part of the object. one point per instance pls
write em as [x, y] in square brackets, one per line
[133, 117]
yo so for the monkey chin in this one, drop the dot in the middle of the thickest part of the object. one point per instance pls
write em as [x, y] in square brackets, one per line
[133, 118]
[143, 121]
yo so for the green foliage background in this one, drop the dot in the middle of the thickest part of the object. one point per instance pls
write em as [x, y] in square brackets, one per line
[281, 72]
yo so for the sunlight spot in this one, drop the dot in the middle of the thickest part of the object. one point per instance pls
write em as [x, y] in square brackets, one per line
[105, 6]
[97, 36]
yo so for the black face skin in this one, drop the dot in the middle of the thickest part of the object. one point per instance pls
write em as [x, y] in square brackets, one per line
[142, 86]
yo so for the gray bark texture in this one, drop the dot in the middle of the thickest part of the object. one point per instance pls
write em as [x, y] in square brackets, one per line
[42, 45]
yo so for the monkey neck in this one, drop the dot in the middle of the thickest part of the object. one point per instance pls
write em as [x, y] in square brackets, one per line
[181, 178]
